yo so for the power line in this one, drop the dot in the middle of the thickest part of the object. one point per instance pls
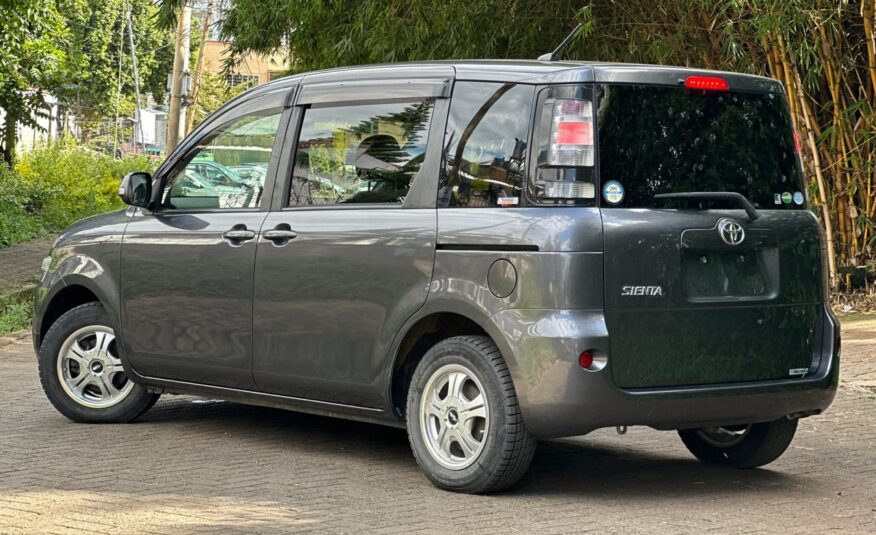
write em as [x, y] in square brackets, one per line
[136, 80]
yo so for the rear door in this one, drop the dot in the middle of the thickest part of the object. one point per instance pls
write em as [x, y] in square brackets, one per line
[696, 290]
[346, 255]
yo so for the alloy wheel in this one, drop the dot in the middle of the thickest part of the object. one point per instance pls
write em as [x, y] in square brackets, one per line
[90, 370]
[454, 416]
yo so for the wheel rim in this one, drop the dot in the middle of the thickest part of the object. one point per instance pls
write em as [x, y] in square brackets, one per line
[454, 416]
[90, 370]
[724, 437]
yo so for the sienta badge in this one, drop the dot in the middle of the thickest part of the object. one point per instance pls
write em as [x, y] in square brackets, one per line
[798, 198]
[613, 192]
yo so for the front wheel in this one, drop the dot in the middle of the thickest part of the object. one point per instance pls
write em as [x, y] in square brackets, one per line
[82, 374]
[740, 446]
[463, 419]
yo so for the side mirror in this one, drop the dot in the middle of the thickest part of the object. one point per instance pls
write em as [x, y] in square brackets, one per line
[136, 189]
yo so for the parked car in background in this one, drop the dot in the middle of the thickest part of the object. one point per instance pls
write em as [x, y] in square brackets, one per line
[484, 252]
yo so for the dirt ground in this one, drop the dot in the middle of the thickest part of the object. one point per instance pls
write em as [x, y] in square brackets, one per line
[205, 466]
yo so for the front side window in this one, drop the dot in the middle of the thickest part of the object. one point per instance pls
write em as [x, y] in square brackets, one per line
[365, 154]
[485, 145]
[227, 169]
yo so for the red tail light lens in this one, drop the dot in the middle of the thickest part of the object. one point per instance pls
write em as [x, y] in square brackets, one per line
[706, 83]
[586, 360]
[571, 133]
[575, 133]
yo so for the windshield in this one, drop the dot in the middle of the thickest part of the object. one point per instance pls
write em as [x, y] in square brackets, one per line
[671, 140]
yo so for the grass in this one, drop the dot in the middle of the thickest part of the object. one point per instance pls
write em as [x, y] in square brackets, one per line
[15, 312]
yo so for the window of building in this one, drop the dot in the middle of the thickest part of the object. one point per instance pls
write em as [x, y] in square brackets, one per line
[235, 79]
[367, 153]
[485, 145]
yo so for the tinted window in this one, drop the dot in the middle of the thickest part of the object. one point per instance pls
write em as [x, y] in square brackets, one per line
[485, 145]
[211, 176]
[669, 140]
[359, 154]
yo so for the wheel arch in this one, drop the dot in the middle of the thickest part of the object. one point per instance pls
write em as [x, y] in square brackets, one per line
[61, 301]
[423, 333]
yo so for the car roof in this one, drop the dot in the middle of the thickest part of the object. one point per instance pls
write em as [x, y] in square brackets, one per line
[517, 71]
[513, 71]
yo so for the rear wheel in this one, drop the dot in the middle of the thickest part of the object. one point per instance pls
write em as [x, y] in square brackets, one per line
[82, 374]
[741, 446]
[463, 419]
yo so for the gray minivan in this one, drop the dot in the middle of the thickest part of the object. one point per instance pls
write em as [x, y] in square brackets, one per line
[486, 252]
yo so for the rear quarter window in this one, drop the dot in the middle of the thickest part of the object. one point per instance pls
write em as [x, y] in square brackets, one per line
[485, 145]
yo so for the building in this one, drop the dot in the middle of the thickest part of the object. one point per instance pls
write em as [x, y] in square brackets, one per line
[48, 126]
[251, 69]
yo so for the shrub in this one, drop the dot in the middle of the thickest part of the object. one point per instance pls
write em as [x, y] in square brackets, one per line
[54, 185]
[18, 221]
[82, 182]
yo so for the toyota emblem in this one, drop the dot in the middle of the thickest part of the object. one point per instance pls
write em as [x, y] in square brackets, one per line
[731, 232]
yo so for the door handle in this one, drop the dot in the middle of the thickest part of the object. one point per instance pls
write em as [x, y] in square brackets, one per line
[237, 235]
[280, 235]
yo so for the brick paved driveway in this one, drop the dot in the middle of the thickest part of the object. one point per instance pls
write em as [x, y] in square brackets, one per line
[197, 466]
[20, 263]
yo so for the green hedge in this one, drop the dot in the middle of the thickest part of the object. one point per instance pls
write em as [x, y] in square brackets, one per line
[57, 184]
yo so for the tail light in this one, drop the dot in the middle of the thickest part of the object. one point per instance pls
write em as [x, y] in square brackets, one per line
[571, 134]
[706, 83]
[565, 151]
[568, 190]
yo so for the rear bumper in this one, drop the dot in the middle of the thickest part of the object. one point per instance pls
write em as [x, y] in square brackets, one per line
[559, 398]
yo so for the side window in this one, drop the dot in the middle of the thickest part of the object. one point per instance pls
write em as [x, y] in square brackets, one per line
[485, 145]
[366, 153]
[228, 167]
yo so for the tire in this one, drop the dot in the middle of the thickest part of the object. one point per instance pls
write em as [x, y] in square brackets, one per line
[482, 449]
[80, 348]
[754, 445]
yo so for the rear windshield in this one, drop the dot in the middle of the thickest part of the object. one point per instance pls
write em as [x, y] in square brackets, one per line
[672, 140]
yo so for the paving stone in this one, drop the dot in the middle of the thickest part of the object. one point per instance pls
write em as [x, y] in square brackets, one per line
[193, 467]
[20, 263]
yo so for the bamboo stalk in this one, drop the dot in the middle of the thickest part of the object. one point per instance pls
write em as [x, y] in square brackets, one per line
[796, 88]
[868, 17]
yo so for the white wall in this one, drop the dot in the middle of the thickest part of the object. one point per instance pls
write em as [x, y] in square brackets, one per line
[48, 131]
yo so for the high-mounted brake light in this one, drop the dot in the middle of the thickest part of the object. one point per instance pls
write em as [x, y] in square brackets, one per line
[571, 134]
[706, 83]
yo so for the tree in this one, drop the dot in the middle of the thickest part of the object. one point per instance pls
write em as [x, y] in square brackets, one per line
[823, 51]
[331, 33]
[31, 60]
[214, 91]
[100, 73]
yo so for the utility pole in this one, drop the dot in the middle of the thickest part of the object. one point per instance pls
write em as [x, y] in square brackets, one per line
[199, 66]
[118, 95]
[138, 116]
[176, 118]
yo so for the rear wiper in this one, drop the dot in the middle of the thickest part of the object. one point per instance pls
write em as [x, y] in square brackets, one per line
[727, 196]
